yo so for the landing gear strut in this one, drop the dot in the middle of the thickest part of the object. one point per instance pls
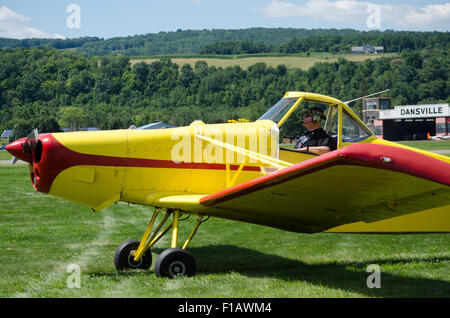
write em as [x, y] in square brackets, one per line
[171, 262]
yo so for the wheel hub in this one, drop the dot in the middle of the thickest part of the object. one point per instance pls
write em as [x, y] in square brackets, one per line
[131, 260]
[177, 268]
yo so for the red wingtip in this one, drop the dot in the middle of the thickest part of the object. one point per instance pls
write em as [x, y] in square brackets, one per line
[15, 148]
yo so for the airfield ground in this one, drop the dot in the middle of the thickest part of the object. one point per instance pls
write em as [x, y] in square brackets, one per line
[41, 236]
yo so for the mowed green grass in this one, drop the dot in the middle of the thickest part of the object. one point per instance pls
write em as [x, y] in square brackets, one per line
[40, 236]
[428, 144]
[4, 155]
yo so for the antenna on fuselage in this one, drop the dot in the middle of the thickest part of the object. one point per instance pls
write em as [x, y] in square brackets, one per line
[354, 100]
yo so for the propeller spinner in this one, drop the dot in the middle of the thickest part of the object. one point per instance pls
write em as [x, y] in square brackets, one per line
[23, 148]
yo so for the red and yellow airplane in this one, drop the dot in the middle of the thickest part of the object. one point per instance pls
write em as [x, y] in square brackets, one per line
[238, 171]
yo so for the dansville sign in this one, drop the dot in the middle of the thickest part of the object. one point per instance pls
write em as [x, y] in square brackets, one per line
[417, 111]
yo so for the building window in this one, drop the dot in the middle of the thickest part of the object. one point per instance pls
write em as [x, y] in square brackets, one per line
[385, 104]
[371, 105]
[440, 128]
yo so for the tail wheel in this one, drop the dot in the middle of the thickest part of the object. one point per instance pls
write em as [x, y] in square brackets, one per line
[175, 262]
[123, 258]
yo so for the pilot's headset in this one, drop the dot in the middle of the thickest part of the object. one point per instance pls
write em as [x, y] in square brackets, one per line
[318, 115]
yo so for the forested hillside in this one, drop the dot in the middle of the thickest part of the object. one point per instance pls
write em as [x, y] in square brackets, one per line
[253, 40]
[45, 87]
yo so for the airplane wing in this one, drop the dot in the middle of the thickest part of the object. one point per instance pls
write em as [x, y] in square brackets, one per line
[361, 182]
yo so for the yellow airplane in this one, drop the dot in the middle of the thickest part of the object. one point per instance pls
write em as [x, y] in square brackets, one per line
[238, 171]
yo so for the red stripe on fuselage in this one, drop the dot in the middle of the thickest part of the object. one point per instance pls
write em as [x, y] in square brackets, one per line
[56, 158]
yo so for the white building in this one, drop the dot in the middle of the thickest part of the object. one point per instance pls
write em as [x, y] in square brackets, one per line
[367, 49]
[413, 122]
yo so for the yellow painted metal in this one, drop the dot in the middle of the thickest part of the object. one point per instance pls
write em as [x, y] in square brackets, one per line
[276, 204]
[160, 234]
[162, 144]
[176, 216]
[312, 97]
[104, 190]
[149, 242]
[140, 250]
[86, 175]
[113, 142]
[290, 111]
[227, 175]
[161, 223]
[294, 156]
[100, 186]
[106, 203]
[339, 137]
[435, 220]
[183, 202]
[247, 154]
[231, 182]
[164, 184]
[199, 221]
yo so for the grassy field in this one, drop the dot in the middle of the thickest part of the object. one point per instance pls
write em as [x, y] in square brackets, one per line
[40, 236]
[298, 61]
[428, 144]
[4, 155]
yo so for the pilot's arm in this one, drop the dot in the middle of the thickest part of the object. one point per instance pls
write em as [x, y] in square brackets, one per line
[319, 150]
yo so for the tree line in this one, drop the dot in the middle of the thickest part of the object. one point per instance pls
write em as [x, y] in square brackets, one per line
[52, 89]
[393, 42]
[252, 40]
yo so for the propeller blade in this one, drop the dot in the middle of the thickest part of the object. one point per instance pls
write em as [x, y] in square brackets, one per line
[14, 160]
[30, 143]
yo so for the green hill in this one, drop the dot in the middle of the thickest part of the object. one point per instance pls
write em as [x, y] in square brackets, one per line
[242, 41]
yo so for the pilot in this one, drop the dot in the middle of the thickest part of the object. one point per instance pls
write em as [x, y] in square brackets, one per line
[316, 140]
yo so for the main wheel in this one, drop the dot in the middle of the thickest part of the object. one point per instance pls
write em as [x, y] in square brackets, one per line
[123, 259]
[175, 262]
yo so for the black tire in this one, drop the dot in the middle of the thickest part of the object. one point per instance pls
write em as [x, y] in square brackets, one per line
[124, 260]
[175, 262]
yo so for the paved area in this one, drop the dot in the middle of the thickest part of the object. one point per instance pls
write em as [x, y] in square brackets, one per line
[442, 152]
[8, 162]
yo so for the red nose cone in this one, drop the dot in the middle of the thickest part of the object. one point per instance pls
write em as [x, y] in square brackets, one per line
[15, 148]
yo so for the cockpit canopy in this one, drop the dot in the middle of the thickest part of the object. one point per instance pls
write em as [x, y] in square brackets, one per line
[341, 122]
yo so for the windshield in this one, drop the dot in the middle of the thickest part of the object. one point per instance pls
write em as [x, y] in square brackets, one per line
[331, 125]
[277, 112]
[351, 130]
